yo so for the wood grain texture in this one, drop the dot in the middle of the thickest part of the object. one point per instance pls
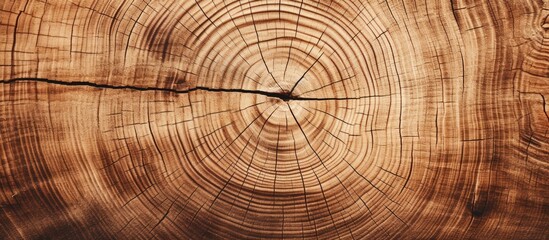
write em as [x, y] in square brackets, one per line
[224, 119]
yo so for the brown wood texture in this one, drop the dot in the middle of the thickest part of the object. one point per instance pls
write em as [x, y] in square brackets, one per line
[225, 119]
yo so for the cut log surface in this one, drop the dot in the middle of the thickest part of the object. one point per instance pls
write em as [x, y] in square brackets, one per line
[224, 119]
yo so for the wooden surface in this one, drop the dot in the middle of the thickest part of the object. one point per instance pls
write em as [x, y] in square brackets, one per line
[245, 119]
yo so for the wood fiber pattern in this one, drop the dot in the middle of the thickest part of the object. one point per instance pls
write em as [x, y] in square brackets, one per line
[223, 119]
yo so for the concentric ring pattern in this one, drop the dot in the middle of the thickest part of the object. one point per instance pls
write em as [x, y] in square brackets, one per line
[273, 119]
[302, 166]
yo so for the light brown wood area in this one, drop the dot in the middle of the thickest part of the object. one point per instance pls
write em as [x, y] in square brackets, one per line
[279, 119]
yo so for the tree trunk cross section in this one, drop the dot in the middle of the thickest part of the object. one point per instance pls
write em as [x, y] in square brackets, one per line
[281, 119]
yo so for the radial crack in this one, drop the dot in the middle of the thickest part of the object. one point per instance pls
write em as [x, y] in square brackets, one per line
[285, 96]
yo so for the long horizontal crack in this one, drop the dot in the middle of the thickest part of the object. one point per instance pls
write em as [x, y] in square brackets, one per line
[282, 96]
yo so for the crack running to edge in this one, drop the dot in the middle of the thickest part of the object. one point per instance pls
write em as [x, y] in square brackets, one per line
[285, 96]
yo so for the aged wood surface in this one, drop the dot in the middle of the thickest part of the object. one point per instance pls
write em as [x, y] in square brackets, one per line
[394, 119]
